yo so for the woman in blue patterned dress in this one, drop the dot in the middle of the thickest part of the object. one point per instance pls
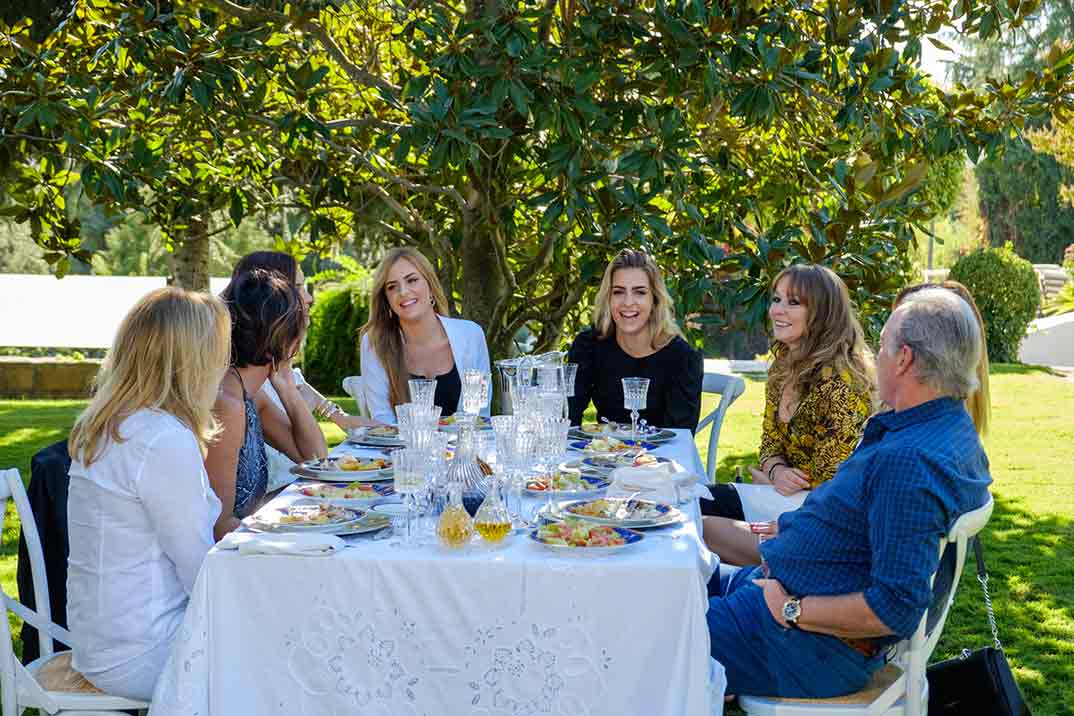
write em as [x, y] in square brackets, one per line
[268, 321]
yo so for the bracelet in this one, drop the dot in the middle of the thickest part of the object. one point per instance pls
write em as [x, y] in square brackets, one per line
[327, 409]
[773, 469]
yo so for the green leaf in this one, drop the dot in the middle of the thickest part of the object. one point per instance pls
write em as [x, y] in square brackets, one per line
[201, 93]
[520, 98]
[237, 207]
[515, 45]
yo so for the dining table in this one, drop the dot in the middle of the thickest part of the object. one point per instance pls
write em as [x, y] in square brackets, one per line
[386, 628]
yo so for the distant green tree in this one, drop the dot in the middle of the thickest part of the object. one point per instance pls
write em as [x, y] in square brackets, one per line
[1021, 203]
[18, 252]
[519, 144]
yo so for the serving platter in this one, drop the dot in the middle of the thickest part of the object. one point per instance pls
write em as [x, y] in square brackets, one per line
[577, 537]
[348, 468]
[566, 483]
[647, 514]
[351, 494]
[378, 436]
[320, 518]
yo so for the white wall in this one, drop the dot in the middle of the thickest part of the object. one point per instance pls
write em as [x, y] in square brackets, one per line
[72, 312]
[1050, 341]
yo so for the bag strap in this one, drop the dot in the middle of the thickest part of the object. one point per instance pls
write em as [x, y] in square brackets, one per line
[982, 577]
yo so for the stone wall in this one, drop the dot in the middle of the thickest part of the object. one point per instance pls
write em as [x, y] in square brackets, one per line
[46, 377]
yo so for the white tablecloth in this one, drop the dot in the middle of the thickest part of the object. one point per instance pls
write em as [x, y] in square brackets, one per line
[384, 629]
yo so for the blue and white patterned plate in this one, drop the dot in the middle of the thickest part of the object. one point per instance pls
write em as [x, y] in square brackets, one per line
[631, 446]
[607, 463]
[630, 537]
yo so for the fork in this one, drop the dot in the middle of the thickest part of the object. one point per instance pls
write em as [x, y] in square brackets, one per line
[624, 509]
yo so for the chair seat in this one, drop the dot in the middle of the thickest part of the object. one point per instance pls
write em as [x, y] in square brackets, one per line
[880, 681]
[57, 674]
[68, 689]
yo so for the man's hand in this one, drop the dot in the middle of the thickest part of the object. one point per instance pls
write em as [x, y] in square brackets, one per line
[775, 596]
[789, 480]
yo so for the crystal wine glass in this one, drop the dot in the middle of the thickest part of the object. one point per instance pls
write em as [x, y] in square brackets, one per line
[635, 391]
[410, 465]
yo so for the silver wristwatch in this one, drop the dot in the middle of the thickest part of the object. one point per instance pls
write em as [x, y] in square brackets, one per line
[792, 609]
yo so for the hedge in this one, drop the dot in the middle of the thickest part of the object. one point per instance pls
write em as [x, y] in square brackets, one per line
[332, 350]
[1007, 292]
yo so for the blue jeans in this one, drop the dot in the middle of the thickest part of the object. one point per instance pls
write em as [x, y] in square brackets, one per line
[764, 658]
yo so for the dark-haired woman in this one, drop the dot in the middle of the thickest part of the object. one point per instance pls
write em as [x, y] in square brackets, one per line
[268, 321]
[285, 265]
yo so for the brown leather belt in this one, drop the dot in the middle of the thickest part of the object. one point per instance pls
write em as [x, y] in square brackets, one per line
[865, 647]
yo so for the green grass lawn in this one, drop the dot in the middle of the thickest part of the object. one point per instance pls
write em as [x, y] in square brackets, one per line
[1029, 544]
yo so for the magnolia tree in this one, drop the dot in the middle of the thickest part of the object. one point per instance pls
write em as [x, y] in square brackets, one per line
[519, 144]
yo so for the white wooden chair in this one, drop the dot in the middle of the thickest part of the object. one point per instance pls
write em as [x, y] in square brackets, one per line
[354, 386]
[729, 387]
[49, 683]
[900, 688]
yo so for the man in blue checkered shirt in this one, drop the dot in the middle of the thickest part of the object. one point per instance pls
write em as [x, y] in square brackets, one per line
[849, 572]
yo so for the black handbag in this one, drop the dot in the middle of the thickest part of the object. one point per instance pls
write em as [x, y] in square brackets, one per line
[980, 682]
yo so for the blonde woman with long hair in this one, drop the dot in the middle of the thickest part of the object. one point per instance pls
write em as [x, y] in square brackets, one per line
[634, 335]
[821, 389]
[409, 335]
[140, 510]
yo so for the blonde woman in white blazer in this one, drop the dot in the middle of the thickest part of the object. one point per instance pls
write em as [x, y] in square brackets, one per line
[408, 336]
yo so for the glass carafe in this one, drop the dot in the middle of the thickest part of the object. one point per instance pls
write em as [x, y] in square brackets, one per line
[492, 520]
[463, 468]
[455, 527]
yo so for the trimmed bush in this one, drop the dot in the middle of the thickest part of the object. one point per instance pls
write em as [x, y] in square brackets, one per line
[1007, 292]
[332, 348]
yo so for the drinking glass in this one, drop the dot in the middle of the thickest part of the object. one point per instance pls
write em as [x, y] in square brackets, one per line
[635, 391]
[570, 374]
[410, 465]
[422, 391]
[475, 391]
[504, 428]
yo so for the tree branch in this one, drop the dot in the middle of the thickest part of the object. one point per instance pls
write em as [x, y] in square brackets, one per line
[353, 71]
[356, 73]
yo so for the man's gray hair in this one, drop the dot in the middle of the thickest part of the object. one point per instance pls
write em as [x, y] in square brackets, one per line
[942, 331]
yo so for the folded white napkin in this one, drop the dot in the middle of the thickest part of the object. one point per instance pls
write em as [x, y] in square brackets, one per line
[659, 483]
[310, 544]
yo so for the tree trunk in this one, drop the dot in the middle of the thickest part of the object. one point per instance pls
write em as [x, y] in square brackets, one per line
[483, 285]
[190, 260]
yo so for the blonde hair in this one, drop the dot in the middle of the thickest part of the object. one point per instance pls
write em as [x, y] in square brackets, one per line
[169, 354]
[833, 337]
[385, 335]
[978, 404]
[662, 325]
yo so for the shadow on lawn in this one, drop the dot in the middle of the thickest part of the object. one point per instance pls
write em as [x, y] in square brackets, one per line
[1031, 580]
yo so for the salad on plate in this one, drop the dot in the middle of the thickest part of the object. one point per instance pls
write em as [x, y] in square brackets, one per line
[574, 534]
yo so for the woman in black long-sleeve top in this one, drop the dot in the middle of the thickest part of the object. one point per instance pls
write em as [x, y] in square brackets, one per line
[634, 335]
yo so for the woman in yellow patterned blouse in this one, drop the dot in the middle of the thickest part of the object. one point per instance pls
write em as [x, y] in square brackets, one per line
[820, 391]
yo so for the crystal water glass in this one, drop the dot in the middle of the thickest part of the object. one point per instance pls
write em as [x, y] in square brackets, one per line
[635, 391]
[570, 374]
[410, 465]
[475, 391]
[422, 391]
[504, 429]
[525, 449]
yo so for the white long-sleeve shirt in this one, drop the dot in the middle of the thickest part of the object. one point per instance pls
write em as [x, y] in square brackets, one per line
[468, 346]
[140, 521]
